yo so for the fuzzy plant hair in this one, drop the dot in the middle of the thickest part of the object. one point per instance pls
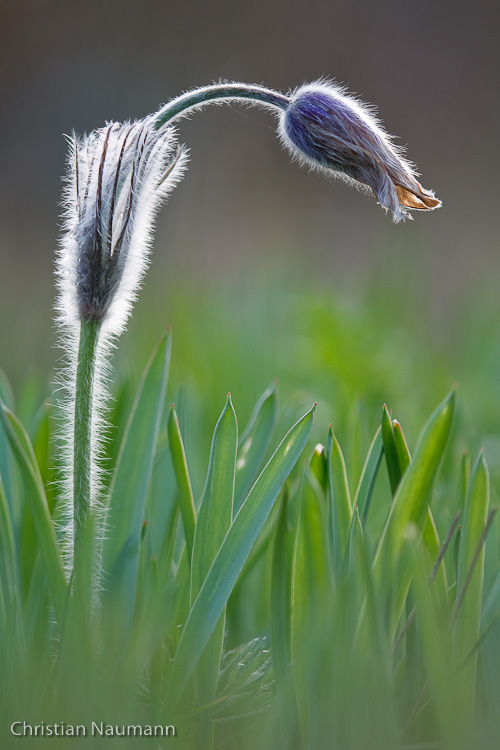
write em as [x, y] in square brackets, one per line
[117, 179]
[335, 133]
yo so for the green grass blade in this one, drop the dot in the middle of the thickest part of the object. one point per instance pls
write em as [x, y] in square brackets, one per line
[162, 500]
[431, 619]
[414, 494]
[312, 591]
[214, 519]
[253, 444]
[339, 500]
[311, 570]
[467, 625]
[8, 554]
[185, 496]
[491, 607]
[280, 614]
[352, 589]
[6, 392]
[404, 458]
[432, 544]
[369, 474]
[37, 502]
[216, 508]
[390, 450]
[318, 466]
[353, 564]
[43, 448]
[130, 484]
[233, 553]
[6, 464]
[409, 508]
[357, 437]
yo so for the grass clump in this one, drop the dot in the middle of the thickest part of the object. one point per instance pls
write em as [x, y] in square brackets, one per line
[285, 604]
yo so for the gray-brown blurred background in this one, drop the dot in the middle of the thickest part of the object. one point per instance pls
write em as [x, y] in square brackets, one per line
[431, 67]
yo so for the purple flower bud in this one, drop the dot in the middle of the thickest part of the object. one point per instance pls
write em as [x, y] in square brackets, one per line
[331, 131]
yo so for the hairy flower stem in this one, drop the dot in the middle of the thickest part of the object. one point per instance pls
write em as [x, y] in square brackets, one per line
[221, 91]
[83, 443]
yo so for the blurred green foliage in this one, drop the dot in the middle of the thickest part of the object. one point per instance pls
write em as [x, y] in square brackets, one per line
[344, 605]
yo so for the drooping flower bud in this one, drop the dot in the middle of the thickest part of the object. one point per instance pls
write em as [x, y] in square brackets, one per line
[118, 177]
[335, 133]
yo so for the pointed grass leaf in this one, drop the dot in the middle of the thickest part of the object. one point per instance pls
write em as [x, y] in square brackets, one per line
[280, 617]
[409, 507]
[6, 465]
[8, 554]
[471, 570]
[311, 580]
[404, 457]
[353, 564]
[318, 466]
[369, 474]
[37, 503]
[130, 484]
[339, 500]
[42, 446]
[390, 450]
[465, 469]
[214, 519]
[432, 544]
[216, 507]
[280, 604]
[414, 493]
[6, 392]
[431, 615]
[233, 553]
[491, 607]
[162, 499]
[312, 592]
[357, 438]
[354, 577]
[185, 492]
[254, 442]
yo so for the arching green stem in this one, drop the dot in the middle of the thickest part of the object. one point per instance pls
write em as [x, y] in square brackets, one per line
[181, 105]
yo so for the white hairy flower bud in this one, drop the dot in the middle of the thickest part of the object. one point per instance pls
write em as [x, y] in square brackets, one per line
[118, 177]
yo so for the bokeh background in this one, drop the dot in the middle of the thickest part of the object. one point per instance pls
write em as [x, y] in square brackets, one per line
[245, 221]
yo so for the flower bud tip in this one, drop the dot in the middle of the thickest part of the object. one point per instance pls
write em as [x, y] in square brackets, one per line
[333, 132]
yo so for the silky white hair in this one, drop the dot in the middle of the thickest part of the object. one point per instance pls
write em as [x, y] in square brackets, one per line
[117, 178]
[335, 133]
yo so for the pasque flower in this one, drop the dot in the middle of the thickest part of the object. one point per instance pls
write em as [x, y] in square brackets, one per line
[337, 134]
[119, 175]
